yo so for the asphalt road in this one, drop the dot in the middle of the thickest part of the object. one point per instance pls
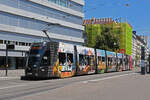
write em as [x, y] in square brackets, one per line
[110, 86]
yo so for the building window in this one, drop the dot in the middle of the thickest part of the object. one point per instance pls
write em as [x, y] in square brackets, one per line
[1, 41]
[64, 3]
[16, 43]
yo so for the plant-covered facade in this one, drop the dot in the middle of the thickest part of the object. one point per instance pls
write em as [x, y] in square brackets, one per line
[123, 30]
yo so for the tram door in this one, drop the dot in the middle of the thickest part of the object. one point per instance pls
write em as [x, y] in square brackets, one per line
[101, 65]
[119, 62]
[111, 61]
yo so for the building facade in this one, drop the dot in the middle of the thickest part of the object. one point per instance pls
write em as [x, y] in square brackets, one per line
[93, 27]
[22, 22]
[124, 29]
[126, 38]
[141, 41]
[134, 45]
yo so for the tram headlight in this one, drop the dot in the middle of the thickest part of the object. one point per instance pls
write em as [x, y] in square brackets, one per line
[42, 70]
[44, 43]
[34, 65]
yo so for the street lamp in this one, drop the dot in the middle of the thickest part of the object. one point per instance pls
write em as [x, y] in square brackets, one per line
[45, 30]
[115, 46]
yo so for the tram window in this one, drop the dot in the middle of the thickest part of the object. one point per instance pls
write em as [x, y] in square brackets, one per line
[70, 58]
[81, 60]
[62, 58]
[103, 59]
[87, 60]
[109, 60]
[45, 59]
[120, 61]
[114, 60]
[91, 60]
[99, 58]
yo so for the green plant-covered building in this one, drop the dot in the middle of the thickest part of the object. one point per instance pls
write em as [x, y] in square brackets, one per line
[94, 27]
[126, 38]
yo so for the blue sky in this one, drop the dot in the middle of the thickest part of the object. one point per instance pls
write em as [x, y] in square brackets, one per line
[137, 13]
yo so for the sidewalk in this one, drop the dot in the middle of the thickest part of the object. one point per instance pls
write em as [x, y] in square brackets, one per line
[11, 73]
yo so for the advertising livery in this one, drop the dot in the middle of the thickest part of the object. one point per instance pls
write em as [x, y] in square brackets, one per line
[120, 62]
[58, 59]
[101, 61]
[85, 60]
[111, 61]
[65, 64]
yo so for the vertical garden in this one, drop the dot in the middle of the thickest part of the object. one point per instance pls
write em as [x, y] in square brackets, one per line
[110, 36]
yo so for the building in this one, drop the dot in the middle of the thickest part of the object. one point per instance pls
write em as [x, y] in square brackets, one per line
[145, 40]
[22, 22]
[126, 38]
[141, 41]
[94, 26]
[134, 45]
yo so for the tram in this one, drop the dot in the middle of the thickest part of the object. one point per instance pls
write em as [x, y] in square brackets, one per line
[61, 60]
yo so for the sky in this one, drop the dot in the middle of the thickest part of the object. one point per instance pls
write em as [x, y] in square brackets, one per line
[136, 12]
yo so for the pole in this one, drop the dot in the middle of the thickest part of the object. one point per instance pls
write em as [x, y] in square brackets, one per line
[142, 60]
[45, 31]
[6, 58]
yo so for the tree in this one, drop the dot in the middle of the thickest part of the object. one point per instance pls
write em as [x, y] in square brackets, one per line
[107, 40]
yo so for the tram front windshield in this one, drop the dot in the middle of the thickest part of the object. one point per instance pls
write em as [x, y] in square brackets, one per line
[35, 53]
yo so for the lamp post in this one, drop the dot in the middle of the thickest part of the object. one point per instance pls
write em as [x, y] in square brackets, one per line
[115, 46]
[6, 58]
[143, 60]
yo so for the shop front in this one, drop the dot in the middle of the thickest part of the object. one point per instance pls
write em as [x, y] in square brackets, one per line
[16, 60]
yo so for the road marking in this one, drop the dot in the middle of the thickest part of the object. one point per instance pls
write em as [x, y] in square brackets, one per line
[14, 86]
[106, 78]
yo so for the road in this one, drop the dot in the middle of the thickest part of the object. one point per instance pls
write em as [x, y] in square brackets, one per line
[110, 86]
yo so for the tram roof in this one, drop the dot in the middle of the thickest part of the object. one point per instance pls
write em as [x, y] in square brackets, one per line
[110, 54]
[85, 50]
[100, 52]
[66, 48]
